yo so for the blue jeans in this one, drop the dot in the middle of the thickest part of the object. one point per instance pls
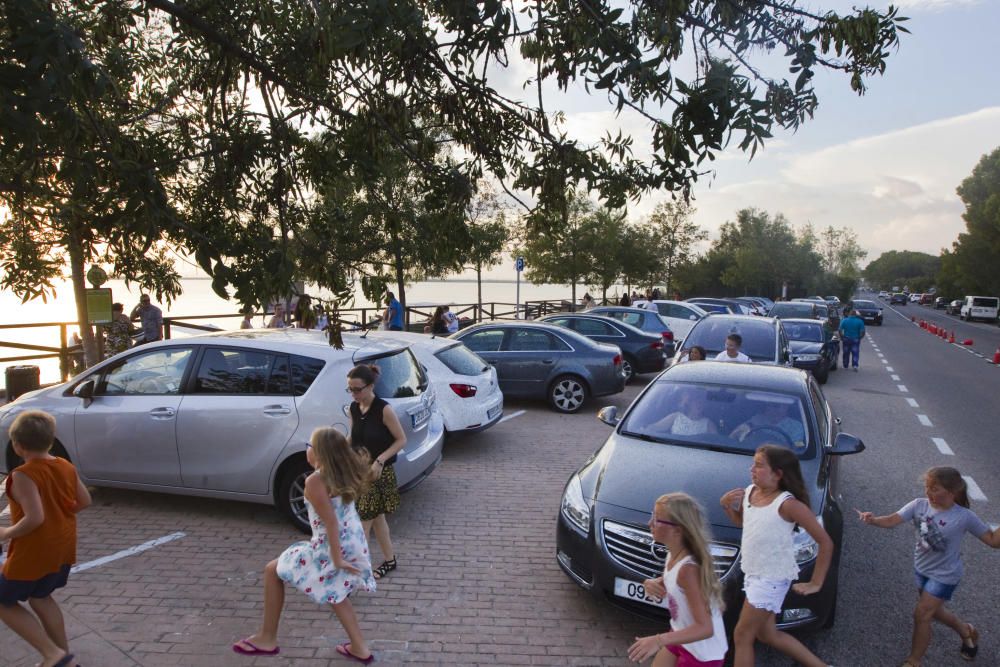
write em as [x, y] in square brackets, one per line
[852, 348]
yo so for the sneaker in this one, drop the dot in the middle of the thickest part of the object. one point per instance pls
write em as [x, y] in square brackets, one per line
[855, 369]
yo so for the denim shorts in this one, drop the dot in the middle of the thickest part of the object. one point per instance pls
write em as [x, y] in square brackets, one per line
[935, 588]
[766, 593]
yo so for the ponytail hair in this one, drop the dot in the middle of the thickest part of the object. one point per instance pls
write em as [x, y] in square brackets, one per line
[785, 461]
[951, 480]
[367, 373]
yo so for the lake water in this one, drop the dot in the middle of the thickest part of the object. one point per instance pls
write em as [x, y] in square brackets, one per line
[199, 299]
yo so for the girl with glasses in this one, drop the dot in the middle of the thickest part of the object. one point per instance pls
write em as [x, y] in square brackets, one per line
[375, 427]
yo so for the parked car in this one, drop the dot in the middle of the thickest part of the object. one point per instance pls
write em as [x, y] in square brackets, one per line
[642, 352]
[883, 295]
[954, 307]
[680, 315]
[926, 299]
[712, 305]
[915, 297]
[227, 415]
[799, 309]
[603, 542]
[979, 308]
[466, 387]
[813, 348]
[897, 298]
[764, 340]
[642, 319]
[538, 360]
[833, 300]
[869, 311]
[940, 303]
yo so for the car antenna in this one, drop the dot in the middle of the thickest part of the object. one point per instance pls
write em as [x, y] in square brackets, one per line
[365, 334]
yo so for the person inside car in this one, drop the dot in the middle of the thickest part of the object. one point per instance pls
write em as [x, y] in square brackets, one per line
[690, 419]
[774, 417]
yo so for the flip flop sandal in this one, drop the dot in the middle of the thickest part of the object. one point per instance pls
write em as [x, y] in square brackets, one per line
[969, 652]
[385, 568]
[64, 661]
[346, 652]
[254, 649]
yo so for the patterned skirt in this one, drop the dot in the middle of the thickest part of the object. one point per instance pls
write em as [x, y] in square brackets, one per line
[382, 496]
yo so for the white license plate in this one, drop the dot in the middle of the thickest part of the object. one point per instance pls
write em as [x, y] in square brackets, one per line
[494, 411]
[420, 417]
[631, 590]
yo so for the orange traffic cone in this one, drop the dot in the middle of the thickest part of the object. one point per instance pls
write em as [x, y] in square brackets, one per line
[996, 356]
[951, 338]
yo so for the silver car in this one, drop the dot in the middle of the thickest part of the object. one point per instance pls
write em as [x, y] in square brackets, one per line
[227, 415]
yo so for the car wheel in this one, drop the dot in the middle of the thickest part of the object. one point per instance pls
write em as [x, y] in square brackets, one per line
[567, 394]
[628, 369]
[13, 460]
[291, 495]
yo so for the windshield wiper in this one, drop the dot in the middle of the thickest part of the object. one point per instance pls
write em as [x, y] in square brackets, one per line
[649, 438]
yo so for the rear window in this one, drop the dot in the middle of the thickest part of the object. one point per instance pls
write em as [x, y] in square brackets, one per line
[864, 304]
[809, 333]
[759, 338]
[400, 376]
[984, 302]
[461, 360]
[793, 310]
[628, 317]
[304, 372]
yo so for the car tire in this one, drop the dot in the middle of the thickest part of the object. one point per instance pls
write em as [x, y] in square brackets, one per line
[567, 394]
[290, 495]
[13, 460]
[628, 368]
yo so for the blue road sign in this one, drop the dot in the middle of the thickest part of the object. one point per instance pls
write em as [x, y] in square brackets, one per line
[519, 264]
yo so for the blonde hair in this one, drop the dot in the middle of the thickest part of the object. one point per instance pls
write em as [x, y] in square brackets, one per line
[34, 430]
[345, 471]
[682, 509]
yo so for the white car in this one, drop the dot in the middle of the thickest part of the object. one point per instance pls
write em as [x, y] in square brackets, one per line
[465, 386]
[680, 315]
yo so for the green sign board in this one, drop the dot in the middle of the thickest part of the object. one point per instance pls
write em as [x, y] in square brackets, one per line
[99, 305]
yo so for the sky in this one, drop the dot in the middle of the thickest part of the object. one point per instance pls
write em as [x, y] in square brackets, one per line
[885, 164]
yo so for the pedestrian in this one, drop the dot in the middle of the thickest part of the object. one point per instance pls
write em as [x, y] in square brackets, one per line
[303, 315]
[247, 314]
[697, 637]
[278, 319]
[732, 353]
[151, 320]
[625, 300]
[118, 336]
[393, 315]
[335, 562]
[45, 494]
[322, 320]
[852, 330]
[436, 323]
[769, 511]
[588, 301]
[375, 427]
[451, 320]
[656, 294]
[941, 518]
[696, 353]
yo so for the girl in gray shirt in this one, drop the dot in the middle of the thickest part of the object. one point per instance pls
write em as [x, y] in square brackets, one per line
[941, 519]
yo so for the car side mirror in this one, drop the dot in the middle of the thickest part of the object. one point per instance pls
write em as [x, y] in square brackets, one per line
[846, 444]
[609, 415]
[85, 391]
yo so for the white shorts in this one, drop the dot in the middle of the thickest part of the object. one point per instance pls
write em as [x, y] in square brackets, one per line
[765, 593]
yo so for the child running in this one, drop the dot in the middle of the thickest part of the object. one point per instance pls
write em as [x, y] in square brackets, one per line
[45, 494]
[769, 510]
[941, 518]
[697, 637]
[335, 562]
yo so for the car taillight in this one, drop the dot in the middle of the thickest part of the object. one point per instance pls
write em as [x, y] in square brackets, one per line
[617, 361]
[464, 390]
[658, 345]
[667, 335]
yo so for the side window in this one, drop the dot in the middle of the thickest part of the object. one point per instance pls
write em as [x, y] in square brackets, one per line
[304, 372]
[156, 372]
[635, 319]
[484, 341]
[531, 340]
[595, 328]
[563, 322]
[819, 407]
[234, 371]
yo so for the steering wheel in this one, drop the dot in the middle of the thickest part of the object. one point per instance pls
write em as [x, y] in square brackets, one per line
[784, 437]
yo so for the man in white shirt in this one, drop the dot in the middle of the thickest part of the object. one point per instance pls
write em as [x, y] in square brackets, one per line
[732, 352]
[451, 320]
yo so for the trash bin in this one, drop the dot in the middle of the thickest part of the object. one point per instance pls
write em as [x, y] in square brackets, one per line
[21, 379]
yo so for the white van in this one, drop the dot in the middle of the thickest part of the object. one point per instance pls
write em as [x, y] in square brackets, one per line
[980, 308]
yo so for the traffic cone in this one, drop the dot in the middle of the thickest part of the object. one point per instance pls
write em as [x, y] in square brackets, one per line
[996, 357]
[912, 318]
[951, 338]
[967, 341]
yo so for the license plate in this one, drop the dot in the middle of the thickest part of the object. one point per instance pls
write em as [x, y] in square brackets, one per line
[420, 417]
[494, 411]
[631, 590]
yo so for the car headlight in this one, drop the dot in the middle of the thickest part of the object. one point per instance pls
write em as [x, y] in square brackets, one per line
[808, 357]
[574, 508]
[806, 548]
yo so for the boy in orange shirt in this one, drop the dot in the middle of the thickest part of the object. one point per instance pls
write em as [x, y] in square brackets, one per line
[45, 494]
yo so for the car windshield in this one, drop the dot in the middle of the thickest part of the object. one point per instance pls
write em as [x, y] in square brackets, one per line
[804, 331]
[758, 337]
[400, 376]
[790, 309]
[719, 417]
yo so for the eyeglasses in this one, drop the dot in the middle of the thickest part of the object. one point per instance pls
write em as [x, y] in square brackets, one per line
[664, 522]
[357, 390]
[309, 445]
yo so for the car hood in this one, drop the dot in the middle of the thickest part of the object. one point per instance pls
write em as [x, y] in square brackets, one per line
[633, 474]
[804, 347]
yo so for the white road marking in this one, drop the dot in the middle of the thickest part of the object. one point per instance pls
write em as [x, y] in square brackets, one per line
[884, 361]
[881, 356]
[889, 368]
[925, 420]
[125, 553]
[895, 378]
[943, 446]
[511, 416]
[902, 388]
[974, 491]
[912, 402]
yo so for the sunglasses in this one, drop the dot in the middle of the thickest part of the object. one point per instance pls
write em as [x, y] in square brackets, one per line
[357, 390]
[664, 522]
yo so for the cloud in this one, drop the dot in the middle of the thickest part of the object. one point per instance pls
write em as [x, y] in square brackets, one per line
[936, 5]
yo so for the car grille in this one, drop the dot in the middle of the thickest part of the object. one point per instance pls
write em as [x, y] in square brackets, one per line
[631, 547]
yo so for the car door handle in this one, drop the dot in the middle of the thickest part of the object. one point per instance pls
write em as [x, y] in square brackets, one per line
[162, 413]
[277, 410]
[548, 361]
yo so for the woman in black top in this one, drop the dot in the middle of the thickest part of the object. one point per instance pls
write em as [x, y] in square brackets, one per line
[375, 427]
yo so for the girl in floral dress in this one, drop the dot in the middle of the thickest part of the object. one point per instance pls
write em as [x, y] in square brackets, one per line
[335, 562]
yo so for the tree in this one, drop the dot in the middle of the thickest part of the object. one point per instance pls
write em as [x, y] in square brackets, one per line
[675, 236]
[970, 267]
[557, 247]
[489, 235]
[606, 234]
[640, 259]
[902, 268]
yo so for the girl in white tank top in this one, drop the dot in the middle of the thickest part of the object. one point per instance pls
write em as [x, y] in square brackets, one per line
[697, 637]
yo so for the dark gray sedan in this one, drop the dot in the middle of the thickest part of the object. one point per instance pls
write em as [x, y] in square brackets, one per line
[642, 319]
[536, 360]
[642, 352]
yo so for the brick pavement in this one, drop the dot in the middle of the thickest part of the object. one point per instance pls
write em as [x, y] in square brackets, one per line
[478, 583]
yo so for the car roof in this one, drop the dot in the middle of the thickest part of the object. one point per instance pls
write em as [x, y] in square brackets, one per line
[617, 309]
[600, 318]
[764, 376]
[801, 320]
[532, 324]
[432, 342]
[290, 339]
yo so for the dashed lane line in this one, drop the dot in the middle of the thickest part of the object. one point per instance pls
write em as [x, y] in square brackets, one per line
[943, 446]
[511, 416]
[890, 369]
[884, 361]
[902, 388]
[974, 491]
[895, 378]
[925, 420]
[912, 402]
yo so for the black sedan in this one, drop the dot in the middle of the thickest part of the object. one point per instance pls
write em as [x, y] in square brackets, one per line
[813, 347]
[642, 352]
[869, 311]
[603, 541]
[641, 318]
[898, 299]
[536, 360]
